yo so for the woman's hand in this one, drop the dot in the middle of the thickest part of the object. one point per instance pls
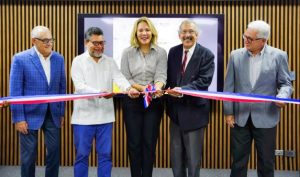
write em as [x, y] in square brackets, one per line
[133, 93]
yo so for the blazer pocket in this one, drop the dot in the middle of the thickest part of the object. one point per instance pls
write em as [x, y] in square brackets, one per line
[269, 71]
[269, 75]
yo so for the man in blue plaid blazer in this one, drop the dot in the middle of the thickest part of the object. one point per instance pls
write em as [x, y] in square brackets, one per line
[38, 71]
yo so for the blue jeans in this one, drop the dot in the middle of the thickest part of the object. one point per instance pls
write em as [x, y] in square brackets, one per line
[29, 143]
[83, 140]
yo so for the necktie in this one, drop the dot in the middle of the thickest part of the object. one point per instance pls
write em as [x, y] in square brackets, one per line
[184, 62]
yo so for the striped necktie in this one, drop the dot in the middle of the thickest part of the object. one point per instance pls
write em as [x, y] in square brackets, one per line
[184, 62]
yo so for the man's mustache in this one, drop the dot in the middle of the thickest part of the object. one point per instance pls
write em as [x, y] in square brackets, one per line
[188, 38]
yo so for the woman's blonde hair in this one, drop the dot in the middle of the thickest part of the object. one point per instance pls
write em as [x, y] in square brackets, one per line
[133, 39]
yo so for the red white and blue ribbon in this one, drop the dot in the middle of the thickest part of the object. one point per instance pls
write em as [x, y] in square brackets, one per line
[38, 99]
[148, 95]
[234, 97]
[237, 97]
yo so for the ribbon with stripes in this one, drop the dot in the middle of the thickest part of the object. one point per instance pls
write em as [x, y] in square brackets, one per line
[148, 95]
[38, 99]
[235, 97]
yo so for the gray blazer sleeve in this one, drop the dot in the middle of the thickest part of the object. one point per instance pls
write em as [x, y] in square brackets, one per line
[284, 84]
[229, 86]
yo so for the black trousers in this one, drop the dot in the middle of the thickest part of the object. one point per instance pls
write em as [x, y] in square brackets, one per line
[265, 142]
[142, 128]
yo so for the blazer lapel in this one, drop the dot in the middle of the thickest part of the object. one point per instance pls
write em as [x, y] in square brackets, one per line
[53, 70]
[264, 64]
[37, 63]
[244, 65]
[177, 64]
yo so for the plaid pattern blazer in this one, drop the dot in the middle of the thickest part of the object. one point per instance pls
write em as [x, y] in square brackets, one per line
[27, 77]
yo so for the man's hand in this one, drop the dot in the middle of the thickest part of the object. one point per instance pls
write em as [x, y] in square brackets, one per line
[22, 127]
[158, 89]
[230, 120]
[174, 93]
[158, 92]
[108, 96]
[280, 104]
[133, 93]
[5, 104]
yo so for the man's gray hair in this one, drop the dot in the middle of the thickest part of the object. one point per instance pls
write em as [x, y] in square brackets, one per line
[35, 33]
[261, 27]
[189, 22]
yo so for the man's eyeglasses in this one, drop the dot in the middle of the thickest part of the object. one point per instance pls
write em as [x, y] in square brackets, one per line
[188, 32]
[97, 43]
[46, 41]
[250, 39]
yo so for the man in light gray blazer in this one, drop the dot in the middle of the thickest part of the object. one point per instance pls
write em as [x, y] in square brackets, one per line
[255, 69]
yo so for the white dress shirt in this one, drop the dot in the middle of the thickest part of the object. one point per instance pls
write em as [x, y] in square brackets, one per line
[45, 64]
[255, 66]
[90, 76]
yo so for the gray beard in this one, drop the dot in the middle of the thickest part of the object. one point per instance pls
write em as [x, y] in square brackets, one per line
[95, 55]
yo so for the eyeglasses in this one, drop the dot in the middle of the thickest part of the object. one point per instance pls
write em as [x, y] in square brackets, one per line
[46, 41]
[97, 43]
[250, 39]
[188, 32]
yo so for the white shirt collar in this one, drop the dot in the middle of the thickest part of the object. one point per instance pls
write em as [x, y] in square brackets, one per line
[191, 50]
[259, 53]
[40, 55]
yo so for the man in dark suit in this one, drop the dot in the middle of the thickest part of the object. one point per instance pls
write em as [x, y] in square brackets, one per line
[190, 67]
[38, 71]
[255, 69]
